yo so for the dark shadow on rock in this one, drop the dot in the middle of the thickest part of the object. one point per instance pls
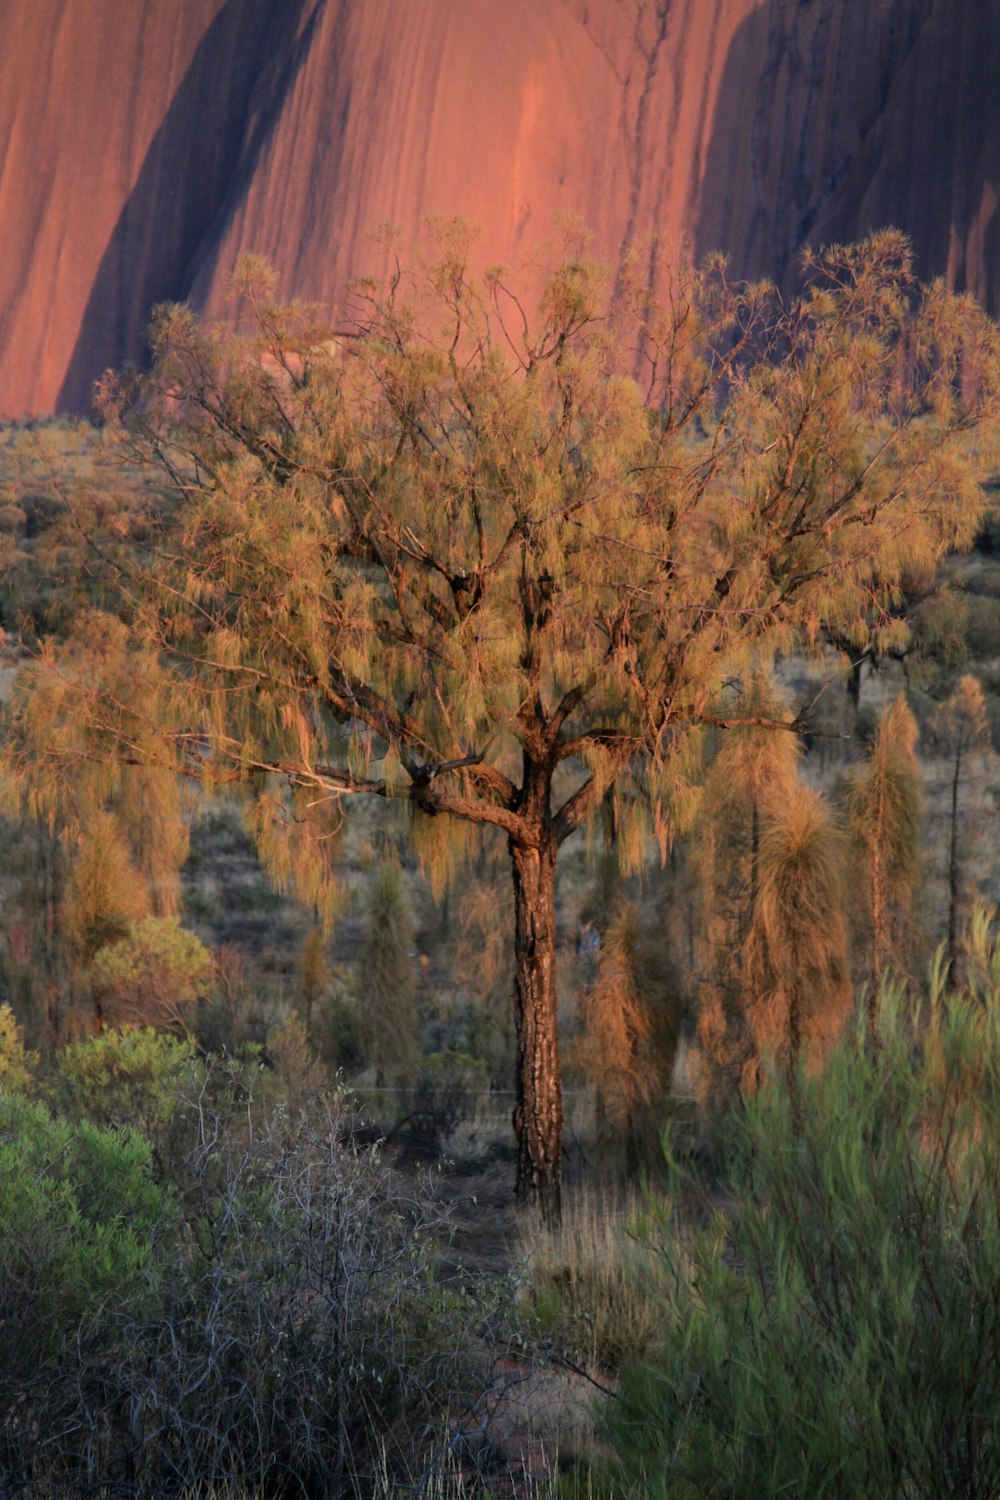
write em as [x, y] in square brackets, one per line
[834, 120]
[201, 156]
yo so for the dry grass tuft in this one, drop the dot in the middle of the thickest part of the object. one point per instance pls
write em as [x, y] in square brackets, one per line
[586, 1285]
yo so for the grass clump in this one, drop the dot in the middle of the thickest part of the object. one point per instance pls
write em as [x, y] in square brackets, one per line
[832, 1325]
[588, 1296]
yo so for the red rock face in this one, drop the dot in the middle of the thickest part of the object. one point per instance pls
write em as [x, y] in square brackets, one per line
[146, 145]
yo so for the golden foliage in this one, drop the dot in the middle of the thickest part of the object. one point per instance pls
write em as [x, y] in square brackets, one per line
[152, 976]
[630, 1017]
[885, 805]
[437, 543]
[616, 1021]
[106, 893]
[796, 959]
[753, 769]
[960, 725]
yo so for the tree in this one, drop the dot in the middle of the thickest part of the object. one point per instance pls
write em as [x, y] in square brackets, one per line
[631, 1022]
[884, 817]
[960, 729]
[498, 563]
[314, 971]
[387, 1008]
[106, 892]
[775, 977]
[153, 975]
[751, 775]
[98, 843]
[797, 960]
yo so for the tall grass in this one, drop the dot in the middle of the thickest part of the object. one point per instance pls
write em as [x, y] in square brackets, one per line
[588, 1292]
[832, 1327]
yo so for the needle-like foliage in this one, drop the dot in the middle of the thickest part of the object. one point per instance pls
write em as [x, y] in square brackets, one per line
[884, 816]
[499, 561]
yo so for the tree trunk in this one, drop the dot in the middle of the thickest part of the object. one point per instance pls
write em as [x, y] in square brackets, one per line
[538, 1115]
[878, 940]
[953, 874]
[879, 916]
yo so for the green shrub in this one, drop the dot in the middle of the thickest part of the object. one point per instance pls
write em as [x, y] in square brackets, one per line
[78, 1212]
[16, 1065]
[130, 1077]
[75, 1199]
[833, 1326]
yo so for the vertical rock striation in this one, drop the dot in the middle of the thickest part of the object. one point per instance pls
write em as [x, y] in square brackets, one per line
[145, 147]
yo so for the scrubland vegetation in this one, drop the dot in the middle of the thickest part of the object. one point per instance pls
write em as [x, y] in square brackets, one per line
[356, 678]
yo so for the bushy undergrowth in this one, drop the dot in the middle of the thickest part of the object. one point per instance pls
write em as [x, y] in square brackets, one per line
[269, 1318]
[830, 1321]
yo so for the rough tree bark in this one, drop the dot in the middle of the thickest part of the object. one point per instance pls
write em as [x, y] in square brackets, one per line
[538, 1113]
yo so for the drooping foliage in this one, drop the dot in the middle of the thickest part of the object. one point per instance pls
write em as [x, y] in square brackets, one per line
[497, 561]
[387, 998]
[884, 817]
[751, 774]
[631, 1021]
[775, 975]
[797, 946]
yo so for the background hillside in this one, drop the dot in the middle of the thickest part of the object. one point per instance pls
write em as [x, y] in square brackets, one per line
[146, 147]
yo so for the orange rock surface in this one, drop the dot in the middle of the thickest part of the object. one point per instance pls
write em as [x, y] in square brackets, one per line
[144, 144]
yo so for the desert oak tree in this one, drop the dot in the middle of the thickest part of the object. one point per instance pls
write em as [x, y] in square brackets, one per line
[499, 557]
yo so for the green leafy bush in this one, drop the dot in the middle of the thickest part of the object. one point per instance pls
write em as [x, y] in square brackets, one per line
[832, 1325]
[129, 1077]
[16, 1064]
[78, 1206]
[78, 1212]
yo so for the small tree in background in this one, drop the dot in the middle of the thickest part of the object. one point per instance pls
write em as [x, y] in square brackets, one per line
[154, 975]
[106, 894]
[387, 988]
[631, 1023]
[314, 972]
[960, 730]
[109, 836]
[751, 776]
[884, 818]
[776, 979]
[465, 558]
[797, 961]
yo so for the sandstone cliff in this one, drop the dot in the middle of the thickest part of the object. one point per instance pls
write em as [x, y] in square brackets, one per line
[146, 145]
